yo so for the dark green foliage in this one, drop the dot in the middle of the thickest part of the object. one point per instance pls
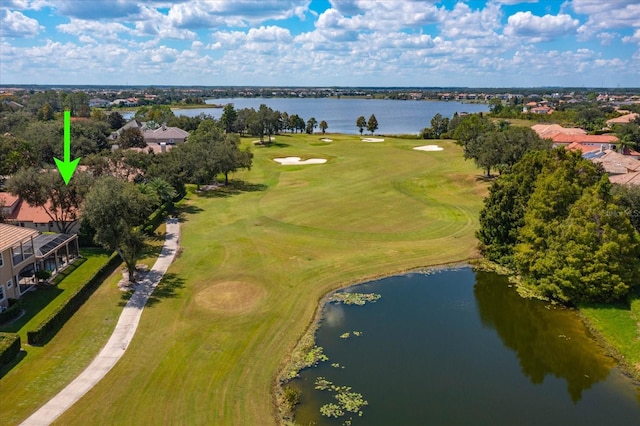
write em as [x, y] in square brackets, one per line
[9, 347]
[372, 124]
[12, 311]
[50, 326]
[229, 117]
[628, 198]
[116, 209]
[503, 213]
[131, 138]
[115, 120]
[291, 397]
[361, 123]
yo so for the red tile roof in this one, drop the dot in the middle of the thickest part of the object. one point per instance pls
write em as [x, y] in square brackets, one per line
[561, 138]
[575, 146]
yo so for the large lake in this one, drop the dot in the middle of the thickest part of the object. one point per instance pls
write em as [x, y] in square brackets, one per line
[394, 117]
[459, 347]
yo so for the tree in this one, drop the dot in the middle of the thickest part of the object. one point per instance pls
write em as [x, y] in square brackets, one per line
[15, 153]
[115, 120]
[116, 210]
[229, 117]
[439, 125]
[312, 123]
[45, 113]
[131, 138]
[495, 105]
[628, 198]
[361, 123]
[372, 124]
[504, 208]
[594, 253]
[47, 190]
[228, 156]
[323, 126]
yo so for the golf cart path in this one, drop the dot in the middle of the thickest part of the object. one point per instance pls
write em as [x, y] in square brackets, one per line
[120, 339]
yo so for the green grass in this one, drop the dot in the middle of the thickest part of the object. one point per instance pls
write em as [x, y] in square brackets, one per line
[619, 325]
[289, 234]
[38, 305]
[40, 372]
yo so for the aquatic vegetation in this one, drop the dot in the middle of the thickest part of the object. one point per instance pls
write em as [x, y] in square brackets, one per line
[336, 365]
[331, 410]
[357, 333]
[354, 298]
[291, 396]
[345, 335]
[314, 356]
[322, 383]
[348, 401]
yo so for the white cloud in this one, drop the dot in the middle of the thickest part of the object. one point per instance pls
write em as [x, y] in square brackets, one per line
[607, 38]
[608, 14]
[16, 24]
[635, 38]
[464, 22]
[540, 28]
[100, 30]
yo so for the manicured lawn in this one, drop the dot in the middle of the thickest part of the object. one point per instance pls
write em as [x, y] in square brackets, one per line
[43, 371]
[257, 256]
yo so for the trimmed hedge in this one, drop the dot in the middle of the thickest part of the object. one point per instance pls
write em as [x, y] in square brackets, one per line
[49, 327]
[156, 218]
[12, 312]
[9, 347]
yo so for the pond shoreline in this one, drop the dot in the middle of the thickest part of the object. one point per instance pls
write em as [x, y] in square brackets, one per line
[307, 340]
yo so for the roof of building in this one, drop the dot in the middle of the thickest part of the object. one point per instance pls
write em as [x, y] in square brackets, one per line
[11, 235]
[550, 130]
[624, 119]
[7, 199]
[25, 212]
[615, 163]
[165, 132]
[44, 244]
[626, 179]
[567, 139]
[577, 146]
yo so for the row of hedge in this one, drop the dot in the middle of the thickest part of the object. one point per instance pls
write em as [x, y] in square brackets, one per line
[156, 218]
[50, 326]
[12, 312]
[9, 347]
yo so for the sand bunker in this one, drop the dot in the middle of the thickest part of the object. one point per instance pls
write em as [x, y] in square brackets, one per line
[231, 297]
[429, 148]
[326, 140]
[372, 140]
[296, 161]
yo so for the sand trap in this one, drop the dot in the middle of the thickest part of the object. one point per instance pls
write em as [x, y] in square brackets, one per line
[231, 297]
[429, 148]
[326, 140]
[372, 140]
[297, 161]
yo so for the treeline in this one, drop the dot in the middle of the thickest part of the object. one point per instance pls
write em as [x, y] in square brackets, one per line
[570, 235]
[491, 145]
[266, 121]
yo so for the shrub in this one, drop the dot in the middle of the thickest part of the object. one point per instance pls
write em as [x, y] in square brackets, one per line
[9, 347]
[49, 327]
[12, 312]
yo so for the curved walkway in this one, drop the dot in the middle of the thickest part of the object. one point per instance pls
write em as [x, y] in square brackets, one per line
[120, 339]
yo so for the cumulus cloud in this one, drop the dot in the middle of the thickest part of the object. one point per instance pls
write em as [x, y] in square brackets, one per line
[608, 14]
[16, 24]
[540, 28]
[97, 9]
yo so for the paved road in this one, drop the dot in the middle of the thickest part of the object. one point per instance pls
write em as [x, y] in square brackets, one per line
[120, 339]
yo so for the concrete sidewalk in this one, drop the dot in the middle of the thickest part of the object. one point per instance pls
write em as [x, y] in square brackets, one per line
[120, 339]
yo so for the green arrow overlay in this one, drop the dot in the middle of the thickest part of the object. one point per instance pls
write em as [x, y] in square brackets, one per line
[67, 167]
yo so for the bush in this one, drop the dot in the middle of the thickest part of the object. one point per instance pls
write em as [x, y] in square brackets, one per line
[12, 312]
[9, 347]
[49, 327]
[156, 218]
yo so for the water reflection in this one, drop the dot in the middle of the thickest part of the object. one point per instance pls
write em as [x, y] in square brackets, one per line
[559, 345]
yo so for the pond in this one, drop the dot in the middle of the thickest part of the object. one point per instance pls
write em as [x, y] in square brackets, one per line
[393, 116]
[461, 347]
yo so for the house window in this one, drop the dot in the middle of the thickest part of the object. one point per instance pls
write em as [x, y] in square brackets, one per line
[1, 263]
[1, 292]
[9, 283]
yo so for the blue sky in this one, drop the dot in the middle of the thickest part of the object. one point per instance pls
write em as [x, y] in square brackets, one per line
[475, 43]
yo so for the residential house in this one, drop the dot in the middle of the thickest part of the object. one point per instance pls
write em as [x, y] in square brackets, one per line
[165, 134]
[624, 119]
[548, 131]
[626, 179]
[613, 162]
[578, 140]
[20, 213]
[25, 251]
[99, 102]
